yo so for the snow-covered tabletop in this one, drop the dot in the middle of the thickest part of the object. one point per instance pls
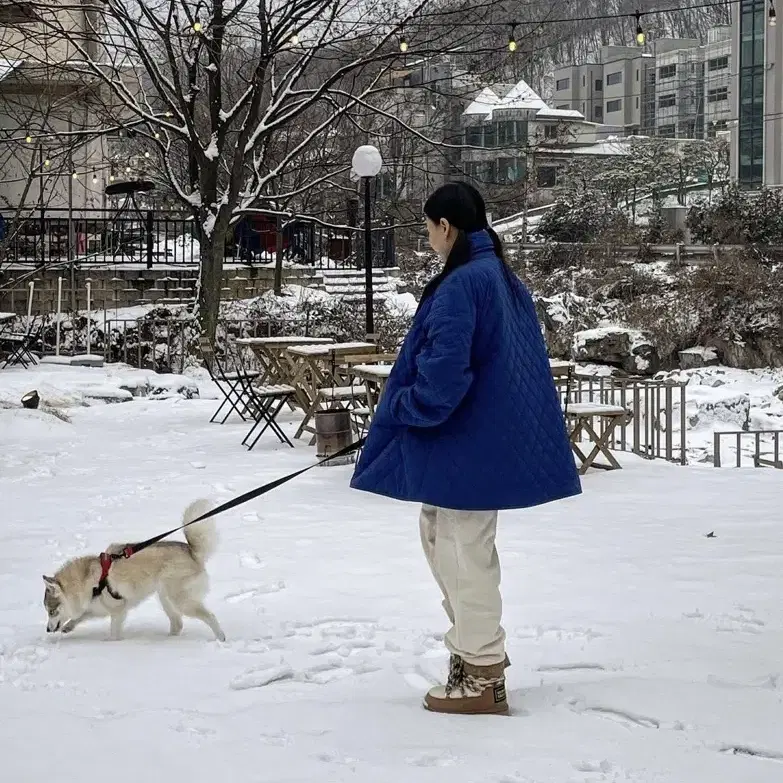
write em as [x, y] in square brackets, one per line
[372, 370]
[330, 348]
[7, 317]
[281, 341]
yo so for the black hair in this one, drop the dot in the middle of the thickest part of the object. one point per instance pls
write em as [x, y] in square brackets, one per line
[463, 207]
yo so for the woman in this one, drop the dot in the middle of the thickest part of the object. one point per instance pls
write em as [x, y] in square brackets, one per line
[469, 423]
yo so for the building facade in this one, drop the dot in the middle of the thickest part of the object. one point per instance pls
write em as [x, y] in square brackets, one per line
[757, 96]
[676, 88]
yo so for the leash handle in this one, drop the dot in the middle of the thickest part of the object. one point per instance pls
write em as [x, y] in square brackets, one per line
[238, 501]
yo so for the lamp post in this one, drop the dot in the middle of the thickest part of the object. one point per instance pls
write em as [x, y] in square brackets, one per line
[367, 163]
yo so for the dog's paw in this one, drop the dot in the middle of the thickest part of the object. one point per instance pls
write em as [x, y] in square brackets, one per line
[221, 637]
[68, 627]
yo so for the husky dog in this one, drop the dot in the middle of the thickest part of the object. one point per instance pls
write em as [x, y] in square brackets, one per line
[173, 569]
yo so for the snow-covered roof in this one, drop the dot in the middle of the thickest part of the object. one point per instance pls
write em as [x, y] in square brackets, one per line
[559, 114]
[599, 148]
[8, 66]
[520, 96]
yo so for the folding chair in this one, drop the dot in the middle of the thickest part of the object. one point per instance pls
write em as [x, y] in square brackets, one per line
[228, 382]
[263, 403]
[19, 346]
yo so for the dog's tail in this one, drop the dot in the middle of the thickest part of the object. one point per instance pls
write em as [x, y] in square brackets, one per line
[202, 537]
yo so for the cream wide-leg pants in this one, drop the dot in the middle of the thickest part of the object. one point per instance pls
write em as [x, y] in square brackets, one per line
[460, 550]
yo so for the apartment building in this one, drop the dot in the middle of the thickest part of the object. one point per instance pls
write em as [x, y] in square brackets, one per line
[677, 88]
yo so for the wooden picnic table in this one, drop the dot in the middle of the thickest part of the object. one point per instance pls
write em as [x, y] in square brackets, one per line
[4, 317]
[374, 377]
[560, 367]
[276, 368]
[316, 370]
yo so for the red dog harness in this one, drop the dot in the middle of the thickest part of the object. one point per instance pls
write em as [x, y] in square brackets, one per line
[103, 583]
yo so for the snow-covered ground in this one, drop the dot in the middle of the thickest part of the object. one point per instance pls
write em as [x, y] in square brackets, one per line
[643, 651]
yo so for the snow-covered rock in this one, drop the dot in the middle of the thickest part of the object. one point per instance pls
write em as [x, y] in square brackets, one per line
[733, 410]
[629, 349]
[698, 356]
[163, 387]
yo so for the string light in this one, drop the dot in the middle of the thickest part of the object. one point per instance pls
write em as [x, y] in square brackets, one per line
[127, 169]
[157, 135]
[772, 17]
[47, 163]
[146, 154]
[294, 40]
[28, 139]
[169, 114]
[74, 175]
[512, 39]
[94, 179]
[640, 36]
[197, 26]
[111, 177]
[403, 44]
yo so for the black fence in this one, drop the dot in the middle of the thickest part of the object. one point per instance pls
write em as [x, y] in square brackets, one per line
[153, 237]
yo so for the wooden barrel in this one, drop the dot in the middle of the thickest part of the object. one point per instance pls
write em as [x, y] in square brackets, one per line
[333, 432]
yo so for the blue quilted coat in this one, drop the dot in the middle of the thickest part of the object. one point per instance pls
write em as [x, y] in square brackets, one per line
[470, 418]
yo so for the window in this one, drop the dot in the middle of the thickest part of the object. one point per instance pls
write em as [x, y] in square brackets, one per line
[550, 131]
[490, 135]
[546, 177]
[751, 92]
[473, 135]
[667, 101]
[562, 84]
[18, 12]
[613, 106]
[716, 127]
[599, 85]
[505, 133]
[667, 131]
[614, 78]
[562, 106]
[509, 170]
[637, 74]
[717, 95]
[718, 63]
[599, 113]
[583, 81]
[667, 72]
[637, 101]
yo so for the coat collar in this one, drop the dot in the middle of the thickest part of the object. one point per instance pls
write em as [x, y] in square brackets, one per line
[480, 241]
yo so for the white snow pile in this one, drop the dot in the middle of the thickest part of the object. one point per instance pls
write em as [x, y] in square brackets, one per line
[643, 618]
[724, 399]
[61, 386]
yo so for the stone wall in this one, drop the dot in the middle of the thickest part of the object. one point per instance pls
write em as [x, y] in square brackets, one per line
[134, 284]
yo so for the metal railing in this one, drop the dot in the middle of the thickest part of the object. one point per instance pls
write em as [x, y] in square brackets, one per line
[768, 439]
[657, 429]
[168, 343]
[155, 237]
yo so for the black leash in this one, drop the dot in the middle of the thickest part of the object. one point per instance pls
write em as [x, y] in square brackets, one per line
[237, 501]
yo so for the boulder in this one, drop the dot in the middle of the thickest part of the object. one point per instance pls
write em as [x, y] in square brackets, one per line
[618, 346]
[779, 393]
[698, 356]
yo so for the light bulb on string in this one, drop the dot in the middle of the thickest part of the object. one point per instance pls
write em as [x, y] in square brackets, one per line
[28, 139]
[94, 179]
[111, 177]
[146, 154]
[640, 36]
[512, 39]
[127, 169]
[157, 135]
[294, 40]
[197, 27]
[403, 44]
[47, 163]
[772, 16]
[74, 175]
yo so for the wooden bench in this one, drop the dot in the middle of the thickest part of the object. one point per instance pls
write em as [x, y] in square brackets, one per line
[581, 418]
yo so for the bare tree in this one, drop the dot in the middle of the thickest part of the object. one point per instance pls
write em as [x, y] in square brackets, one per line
[213, 86]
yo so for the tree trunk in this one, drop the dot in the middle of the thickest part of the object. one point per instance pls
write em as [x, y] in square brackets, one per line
[210, 283]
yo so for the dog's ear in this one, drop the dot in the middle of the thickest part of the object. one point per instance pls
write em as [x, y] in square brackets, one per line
[50, 581]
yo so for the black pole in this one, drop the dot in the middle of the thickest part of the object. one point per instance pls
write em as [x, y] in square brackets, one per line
[370, 324]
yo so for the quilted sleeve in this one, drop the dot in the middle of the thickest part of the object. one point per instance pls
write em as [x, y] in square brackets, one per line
[443, 366]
